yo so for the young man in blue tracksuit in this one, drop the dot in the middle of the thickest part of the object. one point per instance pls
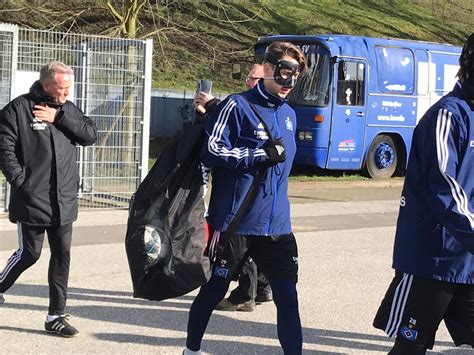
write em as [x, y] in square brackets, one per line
[237, 146]
[253, 287]
[433, 254]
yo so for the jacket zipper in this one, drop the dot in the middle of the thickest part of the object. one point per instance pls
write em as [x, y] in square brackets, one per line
[274, 179]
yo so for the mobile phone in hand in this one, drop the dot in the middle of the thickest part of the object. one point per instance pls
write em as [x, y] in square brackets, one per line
[204, 86]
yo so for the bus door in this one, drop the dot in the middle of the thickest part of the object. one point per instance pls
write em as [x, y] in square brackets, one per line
[349, 114]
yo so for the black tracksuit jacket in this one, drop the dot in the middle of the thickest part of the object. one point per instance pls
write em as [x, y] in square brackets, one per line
[39, 160]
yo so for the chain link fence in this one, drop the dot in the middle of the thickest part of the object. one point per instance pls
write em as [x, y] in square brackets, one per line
[112, 85]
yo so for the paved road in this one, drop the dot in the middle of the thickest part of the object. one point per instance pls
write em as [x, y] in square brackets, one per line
[345, 241]
[324, 200]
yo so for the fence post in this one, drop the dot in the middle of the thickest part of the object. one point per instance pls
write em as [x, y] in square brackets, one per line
[145, 142]
[13, 29]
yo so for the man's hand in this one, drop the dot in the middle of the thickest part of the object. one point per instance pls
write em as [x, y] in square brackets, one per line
[200, 100]
[44, 113]
[275, 150]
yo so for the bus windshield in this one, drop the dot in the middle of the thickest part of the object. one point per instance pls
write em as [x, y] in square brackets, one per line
[312, 87]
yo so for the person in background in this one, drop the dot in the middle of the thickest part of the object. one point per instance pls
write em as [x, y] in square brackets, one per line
[253, 287]
[205, 103]
[237, 147]
[38, 136]
[433, 256]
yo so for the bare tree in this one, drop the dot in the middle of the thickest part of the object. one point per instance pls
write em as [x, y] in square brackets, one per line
[127, 17]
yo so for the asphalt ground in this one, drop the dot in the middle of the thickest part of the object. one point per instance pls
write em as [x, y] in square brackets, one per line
[345, 236]
[326, 200]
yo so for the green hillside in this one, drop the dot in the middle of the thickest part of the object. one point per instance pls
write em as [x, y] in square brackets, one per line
[199, 39]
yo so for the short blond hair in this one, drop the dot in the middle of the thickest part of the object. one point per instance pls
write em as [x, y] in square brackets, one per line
[49, 70]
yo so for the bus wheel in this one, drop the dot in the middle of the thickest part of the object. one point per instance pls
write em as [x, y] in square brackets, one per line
[382, 159]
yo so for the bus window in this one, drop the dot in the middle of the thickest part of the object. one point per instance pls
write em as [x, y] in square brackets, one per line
[312, 87]
[395, 70]
[423, 82]
[351, 84]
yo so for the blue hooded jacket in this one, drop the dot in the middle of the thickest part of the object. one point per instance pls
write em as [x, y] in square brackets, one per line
[234, 138]
[435, 228]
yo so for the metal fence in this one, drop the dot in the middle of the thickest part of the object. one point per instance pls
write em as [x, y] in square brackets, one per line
[112, 84]
[8, 36]
[171, 110]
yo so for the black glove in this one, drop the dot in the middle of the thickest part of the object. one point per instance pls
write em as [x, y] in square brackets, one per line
[275, 150]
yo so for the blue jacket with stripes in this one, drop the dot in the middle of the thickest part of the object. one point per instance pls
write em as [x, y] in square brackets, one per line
[435, 228]
[233, 150]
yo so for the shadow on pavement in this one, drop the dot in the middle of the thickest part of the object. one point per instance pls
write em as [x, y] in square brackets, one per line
[172, 315]
[211, 346]
[23, 330]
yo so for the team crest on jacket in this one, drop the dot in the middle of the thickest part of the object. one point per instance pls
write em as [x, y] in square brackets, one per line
[289, 124]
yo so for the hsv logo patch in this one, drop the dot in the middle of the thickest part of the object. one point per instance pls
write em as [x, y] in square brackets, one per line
[409, 334]
[289, 124]
[221, 272]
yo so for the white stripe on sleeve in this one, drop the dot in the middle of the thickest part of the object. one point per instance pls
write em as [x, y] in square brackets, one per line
[443, 126]
[214, 145]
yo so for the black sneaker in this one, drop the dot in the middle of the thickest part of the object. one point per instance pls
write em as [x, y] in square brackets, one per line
[61, 326]
[263, 297]
[226, 305]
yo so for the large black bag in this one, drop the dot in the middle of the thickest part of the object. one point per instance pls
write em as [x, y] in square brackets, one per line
[166, 232]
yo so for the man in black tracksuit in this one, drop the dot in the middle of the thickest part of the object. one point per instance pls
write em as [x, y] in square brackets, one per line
[38, 136]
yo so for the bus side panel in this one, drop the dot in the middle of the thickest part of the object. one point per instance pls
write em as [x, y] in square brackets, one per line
[311, 156]
[391, 111]
[312, 151]
[446, 66]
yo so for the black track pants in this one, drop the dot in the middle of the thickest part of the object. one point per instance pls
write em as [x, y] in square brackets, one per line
[30, 240]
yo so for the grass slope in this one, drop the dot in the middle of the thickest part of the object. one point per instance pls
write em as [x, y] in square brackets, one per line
[199, 39]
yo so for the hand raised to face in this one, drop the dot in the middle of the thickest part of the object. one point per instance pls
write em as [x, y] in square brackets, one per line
[44, 113]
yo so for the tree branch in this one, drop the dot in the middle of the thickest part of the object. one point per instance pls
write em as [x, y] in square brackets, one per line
[114, 12]
[12, 10]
